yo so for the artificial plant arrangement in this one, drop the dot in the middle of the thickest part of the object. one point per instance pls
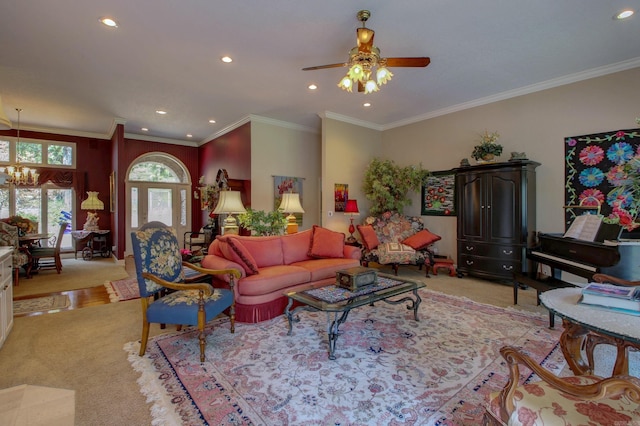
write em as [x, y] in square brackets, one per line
[261, 223]
[387, 184]
[488, 148]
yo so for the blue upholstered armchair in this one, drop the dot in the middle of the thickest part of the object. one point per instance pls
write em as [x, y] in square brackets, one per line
[159, 267]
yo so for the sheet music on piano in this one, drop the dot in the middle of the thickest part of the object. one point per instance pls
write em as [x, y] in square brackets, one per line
[590, 227]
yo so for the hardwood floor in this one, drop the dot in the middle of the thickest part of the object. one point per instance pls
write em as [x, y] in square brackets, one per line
[82, 298]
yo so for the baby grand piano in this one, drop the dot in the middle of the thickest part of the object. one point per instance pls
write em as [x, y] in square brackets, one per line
[578, 257]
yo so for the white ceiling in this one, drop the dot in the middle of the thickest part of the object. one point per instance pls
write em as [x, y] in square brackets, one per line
[71, 74]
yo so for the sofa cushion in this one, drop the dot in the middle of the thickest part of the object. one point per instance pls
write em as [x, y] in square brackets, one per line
[214, 248]
[295, 247]
[369, 237]
[326, 243]
[247, 260]
[326, 268]
[267, 251]
[234, 255]
[421, 239]
[396, 253]
[273, 278]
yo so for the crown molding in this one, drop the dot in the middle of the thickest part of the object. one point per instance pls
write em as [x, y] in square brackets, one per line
[549, 84]
[350, 120]
[160, 140]
[280, 123]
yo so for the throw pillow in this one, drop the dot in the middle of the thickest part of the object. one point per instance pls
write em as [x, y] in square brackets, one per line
[326, 243]
[421, 239]
[233, 250]
[369, 237]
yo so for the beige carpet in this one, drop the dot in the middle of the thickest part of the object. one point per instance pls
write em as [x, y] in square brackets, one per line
[82, 349]
[75, 274]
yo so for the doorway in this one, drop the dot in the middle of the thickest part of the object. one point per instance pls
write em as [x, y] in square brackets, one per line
[157, 188]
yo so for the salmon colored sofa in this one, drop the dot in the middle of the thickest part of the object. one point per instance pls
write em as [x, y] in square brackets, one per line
[271, 265]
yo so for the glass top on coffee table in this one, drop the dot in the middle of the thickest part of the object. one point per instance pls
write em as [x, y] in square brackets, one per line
[336, 300]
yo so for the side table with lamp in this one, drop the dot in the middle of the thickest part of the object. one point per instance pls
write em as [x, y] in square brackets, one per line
[351, 209]
[291, 204]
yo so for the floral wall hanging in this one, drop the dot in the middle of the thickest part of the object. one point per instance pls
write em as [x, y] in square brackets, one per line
[595, 165]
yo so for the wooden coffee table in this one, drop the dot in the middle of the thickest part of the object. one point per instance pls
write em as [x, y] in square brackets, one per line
[337, 302]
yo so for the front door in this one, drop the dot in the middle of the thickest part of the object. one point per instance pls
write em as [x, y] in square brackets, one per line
[157, 201]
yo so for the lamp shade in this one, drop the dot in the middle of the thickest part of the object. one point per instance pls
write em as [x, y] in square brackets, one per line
[352, 207]
[291, 203]
[5, 123]
[92, 202]
[229, 202]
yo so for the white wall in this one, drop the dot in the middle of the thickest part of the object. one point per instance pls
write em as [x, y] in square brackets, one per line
[536, 124]
[347, 149]
[279, 149]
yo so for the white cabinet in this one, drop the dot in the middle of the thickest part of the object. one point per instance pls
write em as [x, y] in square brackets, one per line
[6, 292]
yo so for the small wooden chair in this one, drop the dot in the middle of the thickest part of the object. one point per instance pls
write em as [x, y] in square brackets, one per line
[51, 253]
[576, 400]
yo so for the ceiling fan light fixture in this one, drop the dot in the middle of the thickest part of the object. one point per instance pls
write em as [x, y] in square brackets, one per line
[383, 75]
[356, 73]
[370, 86]
[346, 84]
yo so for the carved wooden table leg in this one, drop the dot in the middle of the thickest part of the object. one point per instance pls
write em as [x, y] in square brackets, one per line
[571, 342]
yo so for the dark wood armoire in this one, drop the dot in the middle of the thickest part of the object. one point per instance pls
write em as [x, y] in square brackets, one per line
[496, 218]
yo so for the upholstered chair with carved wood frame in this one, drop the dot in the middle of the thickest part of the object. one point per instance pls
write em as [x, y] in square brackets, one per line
[21, 258]
[555, 400]
[165, 296]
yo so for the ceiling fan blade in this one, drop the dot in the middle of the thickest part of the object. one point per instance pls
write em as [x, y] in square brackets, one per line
[360, 86]
[320, 67]
[408, 62]
[365, 39]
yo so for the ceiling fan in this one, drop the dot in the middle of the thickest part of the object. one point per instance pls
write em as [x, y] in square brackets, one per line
[365, 57]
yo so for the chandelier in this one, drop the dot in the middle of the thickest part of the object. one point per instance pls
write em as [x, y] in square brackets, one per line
[18, 174]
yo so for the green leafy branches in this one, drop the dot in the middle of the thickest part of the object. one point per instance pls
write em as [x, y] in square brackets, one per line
[386, 185]
[263, 223]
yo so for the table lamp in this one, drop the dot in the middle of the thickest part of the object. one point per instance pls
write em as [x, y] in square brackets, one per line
[291, 204]
[351, 209]
[92, 203]
[229, 203]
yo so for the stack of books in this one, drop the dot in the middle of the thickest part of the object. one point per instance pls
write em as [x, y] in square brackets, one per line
[617, 298]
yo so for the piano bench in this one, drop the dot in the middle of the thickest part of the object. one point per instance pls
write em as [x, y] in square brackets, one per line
[442, 262]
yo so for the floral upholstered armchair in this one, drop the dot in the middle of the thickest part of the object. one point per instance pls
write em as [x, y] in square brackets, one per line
[394, 239]
[573, 400]
[21, 257]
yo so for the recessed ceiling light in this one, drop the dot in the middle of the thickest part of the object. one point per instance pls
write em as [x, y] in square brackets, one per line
[226, 59]
[109, 22]
[366, 104]
[312, 87]
[212, 121]
[161, 112]
[144, 129]
[624, 14]
[189, 135]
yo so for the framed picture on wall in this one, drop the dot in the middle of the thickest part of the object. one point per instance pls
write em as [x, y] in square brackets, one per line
[341, 195]
[439, 194]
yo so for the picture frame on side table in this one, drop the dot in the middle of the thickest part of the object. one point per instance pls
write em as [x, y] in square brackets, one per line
[439, 194]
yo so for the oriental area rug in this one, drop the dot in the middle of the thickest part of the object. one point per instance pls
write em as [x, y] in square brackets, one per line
[390, 369]
[125, 289]
[41, 304]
